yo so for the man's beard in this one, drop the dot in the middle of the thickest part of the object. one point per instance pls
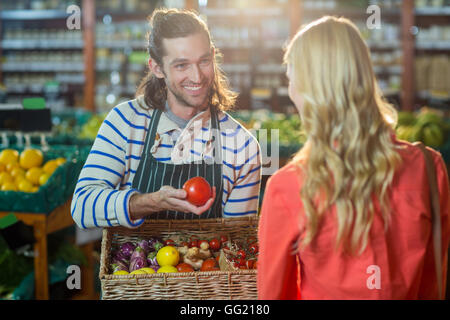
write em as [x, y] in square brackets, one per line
[183, 101]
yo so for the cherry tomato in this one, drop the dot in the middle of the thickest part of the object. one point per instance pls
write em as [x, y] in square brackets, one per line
[198, 191]
[223, 239]
[253, 248]
[193, 243]
[169, 242]
[242, 262]
[241, 254]
[249, 263]
[209, 264]
[214, 244]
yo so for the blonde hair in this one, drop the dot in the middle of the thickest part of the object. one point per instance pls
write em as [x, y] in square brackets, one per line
[349, 158]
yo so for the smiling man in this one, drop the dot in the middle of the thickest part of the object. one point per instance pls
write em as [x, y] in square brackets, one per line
[177, 128]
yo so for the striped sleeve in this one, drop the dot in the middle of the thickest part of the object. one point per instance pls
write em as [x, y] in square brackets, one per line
[245, 178]
[97, 200]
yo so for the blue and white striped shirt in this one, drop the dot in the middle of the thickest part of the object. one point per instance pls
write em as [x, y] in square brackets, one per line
[101, 196]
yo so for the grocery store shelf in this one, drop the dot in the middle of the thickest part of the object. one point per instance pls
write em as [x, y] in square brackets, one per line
[42, 66]
[435, 45]
[19, 44]
[232, 12]
[433, 11]
[388, 69]
[384, 44]
[33, 14]
[121, 44]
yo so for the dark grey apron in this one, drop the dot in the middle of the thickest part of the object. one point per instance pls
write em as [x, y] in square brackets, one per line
[151, 174]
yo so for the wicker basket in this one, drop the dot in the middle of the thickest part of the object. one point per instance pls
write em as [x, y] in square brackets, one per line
[214, 285]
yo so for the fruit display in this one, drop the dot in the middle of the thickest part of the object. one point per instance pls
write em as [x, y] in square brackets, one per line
[155, 255]
[90, 128]
[426, 125]
[25, 171]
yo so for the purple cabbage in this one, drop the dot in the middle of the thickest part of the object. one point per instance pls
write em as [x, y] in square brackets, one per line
[119, 265]
[144, 245]
[127, 249]
[151, 258]
[138, 259]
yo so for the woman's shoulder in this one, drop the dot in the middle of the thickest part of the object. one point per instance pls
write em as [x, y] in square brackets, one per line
[287, 178]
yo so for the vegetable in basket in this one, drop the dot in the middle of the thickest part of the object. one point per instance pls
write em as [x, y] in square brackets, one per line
[138, 259]
[127, 249]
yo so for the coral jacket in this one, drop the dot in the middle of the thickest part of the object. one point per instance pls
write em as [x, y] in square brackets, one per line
[397, 264]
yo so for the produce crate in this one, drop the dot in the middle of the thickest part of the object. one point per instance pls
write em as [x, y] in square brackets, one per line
[59, 187]
[211, 285]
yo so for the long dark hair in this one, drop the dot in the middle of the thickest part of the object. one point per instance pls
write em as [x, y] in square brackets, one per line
[174, 23]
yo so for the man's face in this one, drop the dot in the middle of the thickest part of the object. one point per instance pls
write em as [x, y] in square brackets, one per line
[188, 69]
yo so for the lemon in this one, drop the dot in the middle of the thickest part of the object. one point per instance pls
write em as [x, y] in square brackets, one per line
[43, 178]
[60, 161]
[120, 272]
[35, 189]
[25, 186]
[147, 270]
[30, 158]
[168, 256]
[17, 172]
[138, 272]
[34, 174]
[9, 186]
[50, 166]
[5, 177]
[11, 166]
[167, 269]
[9, 156]
[2, 167]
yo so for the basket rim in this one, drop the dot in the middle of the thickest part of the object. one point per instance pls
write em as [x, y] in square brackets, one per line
[163, 275]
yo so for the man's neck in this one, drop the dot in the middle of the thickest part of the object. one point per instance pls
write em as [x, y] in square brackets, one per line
[183, 112]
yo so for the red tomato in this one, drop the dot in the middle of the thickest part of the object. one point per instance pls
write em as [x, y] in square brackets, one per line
[214, 244]
[169, 242]
[254, 248]
[223, 239]
[249, 264]
[209, 264]
[193, 243]
[241, 254]
[184, 267]
[198, 191]
[242, 262]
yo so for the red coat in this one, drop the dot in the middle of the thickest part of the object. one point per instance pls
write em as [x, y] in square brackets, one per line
[397, 264]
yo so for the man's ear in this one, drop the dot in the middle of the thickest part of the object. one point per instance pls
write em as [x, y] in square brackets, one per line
[155, 68]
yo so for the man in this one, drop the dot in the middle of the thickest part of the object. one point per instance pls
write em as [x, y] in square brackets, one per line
[175, 129]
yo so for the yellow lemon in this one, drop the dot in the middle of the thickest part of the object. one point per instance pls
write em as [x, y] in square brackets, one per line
[43, 178]
[120, 272]
[9, 186]
[25, 186]
[138, 272]
[60, 161]
[33, 175]
[2, 167]
[9, 156]
[168, 256]
[11, 166]
[168, 269]
[5, 177]
[30, 158]
[50, 166]
[147, 270]
[35, 189]
[16, 172]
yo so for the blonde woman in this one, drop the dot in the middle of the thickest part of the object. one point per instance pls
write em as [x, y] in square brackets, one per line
[349, 216]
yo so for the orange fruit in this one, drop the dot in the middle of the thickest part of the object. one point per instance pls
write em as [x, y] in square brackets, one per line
[9, 156]
[12, 165]
[34, 174]
[50, 166]
[30, 158]
[9, 186]
[43, 178]
[5, 177]
[25, 186]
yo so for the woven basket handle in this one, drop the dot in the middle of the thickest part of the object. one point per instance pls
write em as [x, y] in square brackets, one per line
[435, 215]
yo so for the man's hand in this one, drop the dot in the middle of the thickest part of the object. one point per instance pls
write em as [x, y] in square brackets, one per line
[167, 198]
